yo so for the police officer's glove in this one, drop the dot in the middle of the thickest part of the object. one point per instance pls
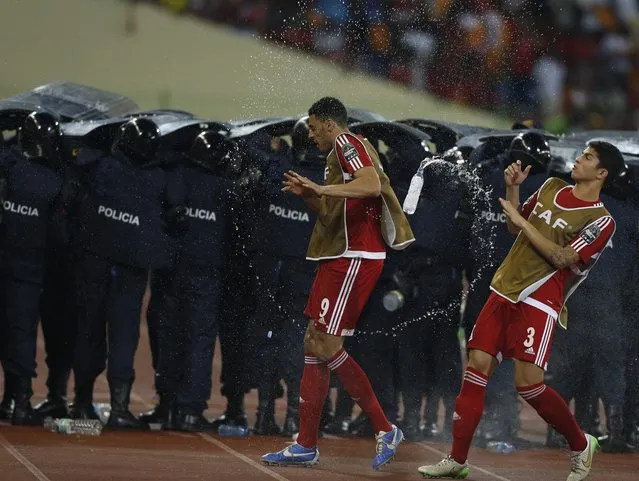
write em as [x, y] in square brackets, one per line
[174, 221]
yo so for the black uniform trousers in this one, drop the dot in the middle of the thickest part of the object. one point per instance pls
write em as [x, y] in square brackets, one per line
[374, 348]
[109, 300]
[429, 356]
[237, 308]
[58, 316]
[595, 344]
[25, 268]
[186, 304]
[277, 327]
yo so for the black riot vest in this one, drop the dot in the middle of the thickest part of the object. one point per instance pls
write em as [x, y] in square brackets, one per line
[283, 221]
[32, 191]
[442, 221]
[611, 277]
[208, 202]
[120, 217]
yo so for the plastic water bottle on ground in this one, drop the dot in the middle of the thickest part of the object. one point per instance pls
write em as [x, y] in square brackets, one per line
[86, 427]
[501, 447]
[232, 430]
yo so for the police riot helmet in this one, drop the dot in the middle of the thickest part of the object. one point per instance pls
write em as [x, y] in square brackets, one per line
[40, 136]
[209, 149]
[621, 183]
[531, 148]
[304, 149]
[138, 139]
[455, 156]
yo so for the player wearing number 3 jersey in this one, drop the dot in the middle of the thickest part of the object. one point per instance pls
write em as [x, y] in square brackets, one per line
[358, 215]
[561, 232]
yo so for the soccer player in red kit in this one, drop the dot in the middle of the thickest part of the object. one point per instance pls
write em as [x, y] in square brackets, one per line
[561, 232]
[358, 214]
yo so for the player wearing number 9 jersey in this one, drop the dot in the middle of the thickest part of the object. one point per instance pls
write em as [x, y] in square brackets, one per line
[358, 215]
[561, 232]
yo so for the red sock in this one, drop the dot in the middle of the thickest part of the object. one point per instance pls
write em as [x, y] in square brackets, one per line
[553, 409]
[468, 409]
[313, 391]
[359, 388]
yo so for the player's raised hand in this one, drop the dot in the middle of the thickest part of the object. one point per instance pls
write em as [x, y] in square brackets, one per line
[513, 175]
[299, 185]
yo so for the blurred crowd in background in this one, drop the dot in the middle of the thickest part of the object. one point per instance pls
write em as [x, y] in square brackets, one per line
[565, 63]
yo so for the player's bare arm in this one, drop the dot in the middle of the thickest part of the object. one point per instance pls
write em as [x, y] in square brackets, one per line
[514, 177]
[365, 183]
[558, 256]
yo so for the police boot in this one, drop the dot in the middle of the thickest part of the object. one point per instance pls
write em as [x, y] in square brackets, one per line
[337, 423]
[82, 406]
[265, 424]
[120, 416]
[6, 406]
[162, 414]
[554, 439]
[615, 440]
[410, 423]
[361, 426]
[429, 428]
[234, 413]
[291, 422]
[189, 422]
[23, 413]
[292, 419]
[55, 405]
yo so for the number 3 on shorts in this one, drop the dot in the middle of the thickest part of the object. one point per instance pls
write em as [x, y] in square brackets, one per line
[324, 307]
[530, 340]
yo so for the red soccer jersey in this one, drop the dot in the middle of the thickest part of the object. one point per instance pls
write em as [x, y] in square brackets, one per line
[363, 216]
[588, 244]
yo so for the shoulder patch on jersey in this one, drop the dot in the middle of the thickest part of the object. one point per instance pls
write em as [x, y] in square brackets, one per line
[349, 151]
[590, 233]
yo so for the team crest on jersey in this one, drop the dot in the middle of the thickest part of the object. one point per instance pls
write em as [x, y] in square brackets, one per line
[590, 234]
[349, 151]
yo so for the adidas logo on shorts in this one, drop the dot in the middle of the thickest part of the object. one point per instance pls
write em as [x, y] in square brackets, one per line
[456, 417]
[530, 351]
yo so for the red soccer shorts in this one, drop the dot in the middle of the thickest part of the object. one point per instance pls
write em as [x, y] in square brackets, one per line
[339, 293]
[513, 331]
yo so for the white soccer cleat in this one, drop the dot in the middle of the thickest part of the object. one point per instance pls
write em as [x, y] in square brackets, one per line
[446, 468]
[581, 461]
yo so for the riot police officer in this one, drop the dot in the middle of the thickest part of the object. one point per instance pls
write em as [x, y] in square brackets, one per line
[428, 285]
[501, 414]
[186, 296]
[122, 234]
[283, 225]
[6, 405]
[600, 323]
[34, 183]
[238, 298]
[58, 299]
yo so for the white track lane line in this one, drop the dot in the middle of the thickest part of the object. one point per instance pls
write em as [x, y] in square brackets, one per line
[211, 440]
[33, 469]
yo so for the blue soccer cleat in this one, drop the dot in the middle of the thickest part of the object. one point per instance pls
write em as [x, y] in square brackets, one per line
[293, 455]
[387, 446]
